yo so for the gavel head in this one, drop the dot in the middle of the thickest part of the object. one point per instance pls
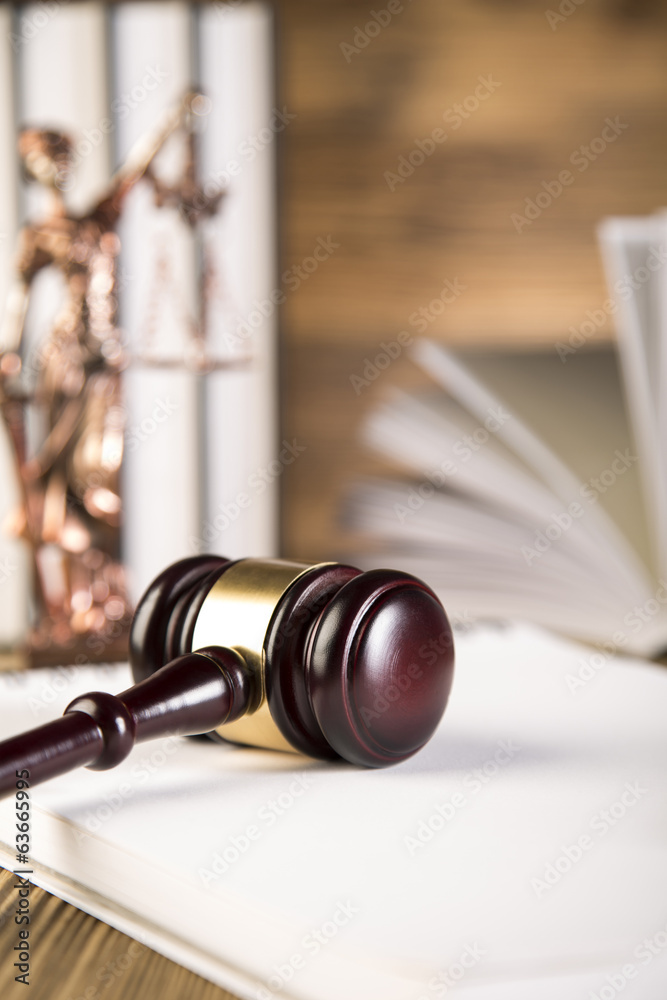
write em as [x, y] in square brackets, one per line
[331, 661]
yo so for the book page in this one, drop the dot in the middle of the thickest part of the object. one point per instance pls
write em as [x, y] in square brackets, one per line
[526, 835]
[485, 519]
[633, 251]
[578, 409]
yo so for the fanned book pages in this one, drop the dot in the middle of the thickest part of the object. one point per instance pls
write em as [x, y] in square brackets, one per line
[519, 855]
[531, 486]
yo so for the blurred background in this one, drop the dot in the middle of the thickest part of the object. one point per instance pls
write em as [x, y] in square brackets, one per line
[138, 334]
[562, 69]
[433, 168]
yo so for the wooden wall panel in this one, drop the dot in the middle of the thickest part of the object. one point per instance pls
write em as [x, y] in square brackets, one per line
[451, 218]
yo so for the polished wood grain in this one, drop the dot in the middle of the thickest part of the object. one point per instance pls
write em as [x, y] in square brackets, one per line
[191, 695]
[380, 667]
[338, 641]
[77, 957]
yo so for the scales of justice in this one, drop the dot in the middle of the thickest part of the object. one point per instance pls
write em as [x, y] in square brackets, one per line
[62, 404]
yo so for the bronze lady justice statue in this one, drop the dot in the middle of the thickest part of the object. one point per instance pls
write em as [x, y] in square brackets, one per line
[71, 505]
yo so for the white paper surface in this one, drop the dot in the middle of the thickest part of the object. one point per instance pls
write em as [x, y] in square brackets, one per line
[568, 767]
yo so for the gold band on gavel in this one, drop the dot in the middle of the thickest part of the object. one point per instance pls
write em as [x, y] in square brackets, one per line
[236, 613]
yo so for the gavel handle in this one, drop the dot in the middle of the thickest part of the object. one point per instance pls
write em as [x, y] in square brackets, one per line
[193, 694]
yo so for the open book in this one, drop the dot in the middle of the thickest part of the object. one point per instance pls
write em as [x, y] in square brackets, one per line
[535, 490]
[519, 855]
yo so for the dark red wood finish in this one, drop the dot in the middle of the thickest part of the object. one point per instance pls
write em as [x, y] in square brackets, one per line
[164, 605]
[191, 695]
[380, 667]
[357, 666]
[285, 647]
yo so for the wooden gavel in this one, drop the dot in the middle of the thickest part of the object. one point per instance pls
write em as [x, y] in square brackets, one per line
[323, 659]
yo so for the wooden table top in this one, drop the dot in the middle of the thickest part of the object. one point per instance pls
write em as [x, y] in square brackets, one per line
[77, 957]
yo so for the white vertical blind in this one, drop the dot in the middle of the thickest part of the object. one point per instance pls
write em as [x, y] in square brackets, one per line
[58, 62]
[152, 70]
[14, 568]
[195, 443]
[62, 85]
[239, 150]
